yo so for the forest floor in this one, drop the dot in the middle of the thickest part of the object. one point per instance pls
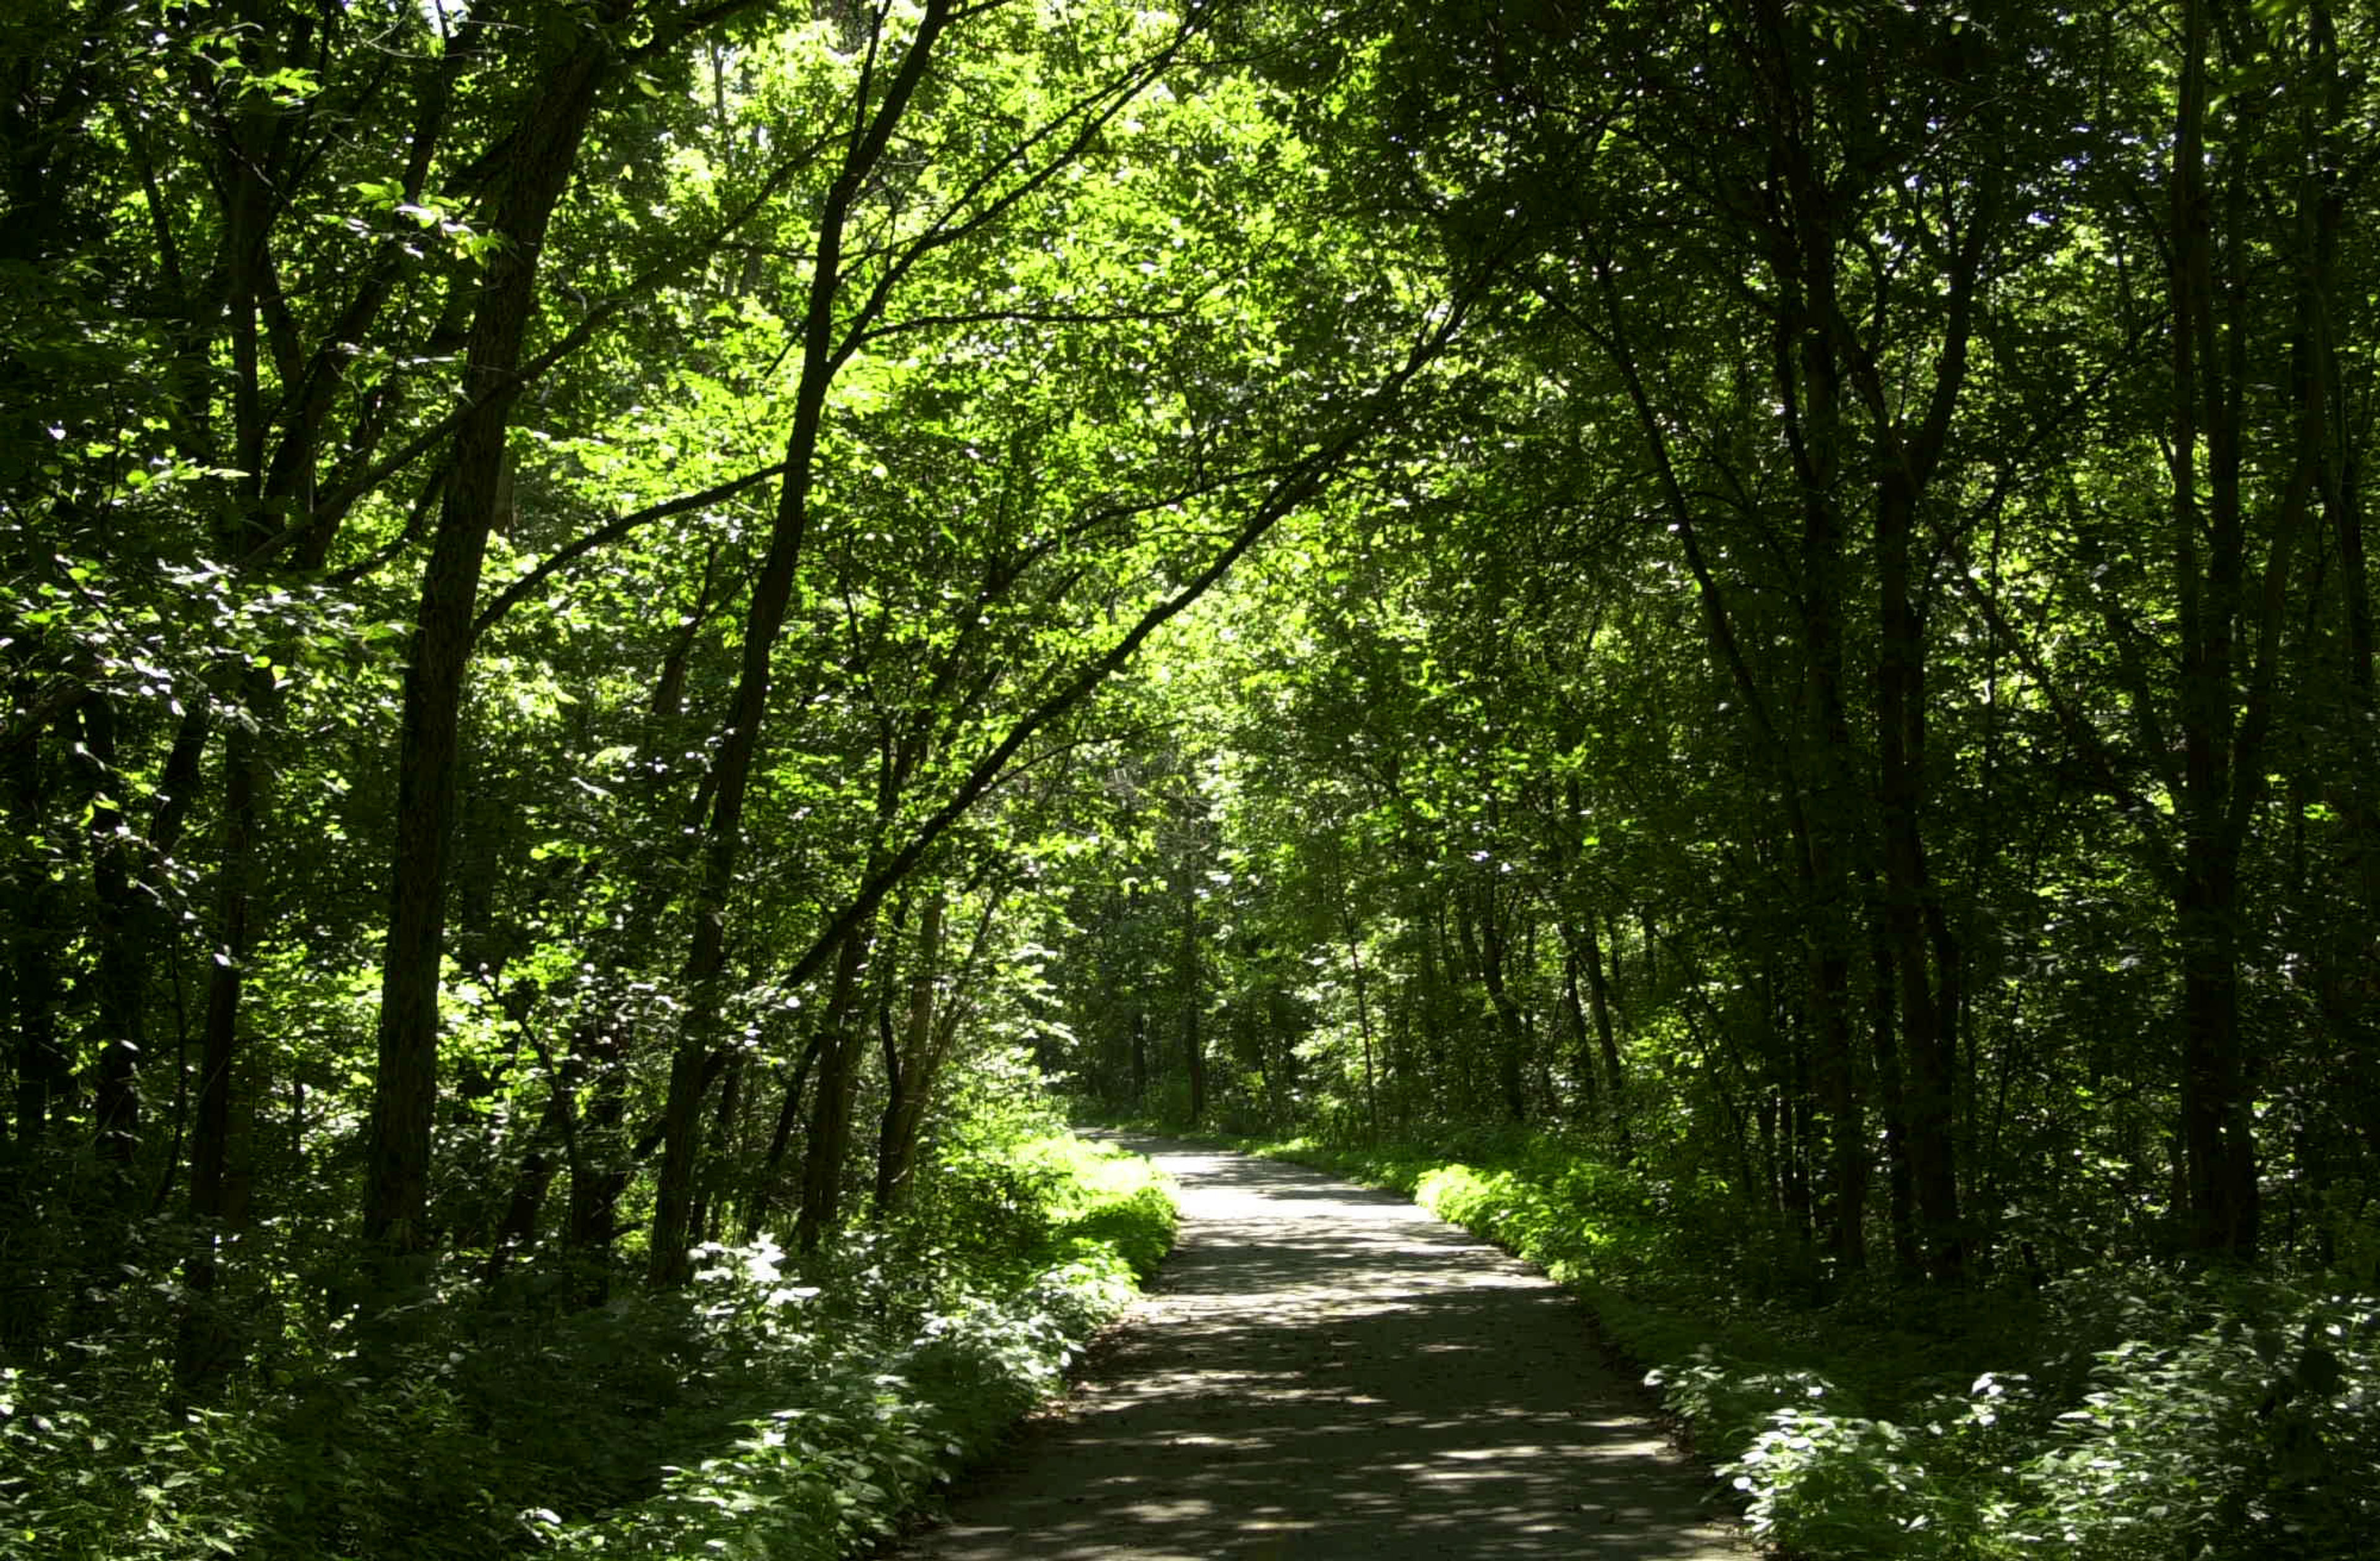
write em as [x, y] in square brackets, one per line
[1322, 1370]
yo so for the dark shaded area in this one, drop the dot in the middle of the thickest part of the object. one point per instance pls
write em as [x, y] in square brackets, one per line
[1323, 1370]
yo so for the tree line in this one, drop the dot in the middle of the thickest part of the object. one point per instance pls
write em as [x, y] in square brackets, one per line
[555, 553]
[610, 606]
[1865, 703]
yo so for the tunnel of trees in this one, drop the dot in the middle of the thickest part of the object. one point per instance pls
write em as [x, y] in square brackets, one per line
[622, 616]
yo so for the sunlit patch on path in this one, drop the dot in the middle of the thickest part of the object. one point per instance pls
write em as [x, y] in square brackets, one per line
[1325, 1371]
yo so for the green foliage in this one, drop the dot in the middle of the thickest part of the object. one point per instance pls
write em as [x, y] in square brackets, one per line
[1732, 745]
[2227, 1421]
[2233, 1419]
[1833, 1485]
[83, 1481]
[772, 1409]
[2133, 1413]
[892, 1398]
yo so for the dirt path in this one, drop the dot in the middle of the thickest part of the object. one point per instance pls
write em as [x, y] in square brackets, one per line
[1324, 1371]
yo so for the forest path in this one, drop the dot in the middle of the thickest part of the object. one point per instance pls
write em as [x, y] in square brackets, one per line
[1325, 1371]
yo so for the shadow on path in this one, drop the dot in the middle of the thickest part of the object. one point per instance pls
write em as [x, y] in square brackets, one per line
[1322, 1370]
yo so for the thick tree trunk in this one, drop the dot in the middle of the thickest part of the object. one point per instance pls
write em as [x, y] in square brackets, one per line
[1900, 1176]
[542, 153]
[1808, 373]
[1929, 984]
[2226, 718]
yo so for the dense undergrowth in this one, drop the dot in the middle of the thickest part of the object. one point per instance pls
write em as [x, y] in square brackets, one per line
[2136, 1413]
[778, 1409]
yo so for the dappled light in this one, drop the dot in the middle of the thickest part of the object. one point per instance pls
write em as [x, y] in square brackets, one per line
[642, 642]
[1334, 1367]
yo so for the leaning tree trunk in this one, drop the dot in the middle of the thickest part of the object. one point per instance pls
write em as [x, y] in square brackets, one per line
[543, 151]
[765, 614]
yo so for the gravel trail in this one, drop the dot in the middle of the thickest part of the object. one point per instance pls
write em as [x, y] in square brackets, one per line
[1325, 1371]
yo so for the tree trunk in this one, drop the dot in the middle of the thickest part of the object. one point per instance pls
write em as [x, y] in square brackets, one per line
[45, 1081]
[599, 1173]
[711, 1191]
[763, 1191]
[523, 1211]
[543, 151]
[1363, 1013]
[1194, 1057]
[199, 1355]
[1598, 998]
[1512, 1051]
[123, 956]
[829, 1143]
[2225, 727]
[908, 1069]
[1892, 1100]
[1928, 983]
[764, 619]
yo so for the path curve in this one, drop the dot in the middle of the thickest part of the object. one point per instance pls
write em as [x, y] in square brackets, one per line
[1323, 1372]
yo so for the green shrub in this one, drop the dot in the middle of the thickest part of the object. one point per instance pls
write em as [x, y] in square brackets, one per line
[2254, 1433]
[772, 1409]
[893, 1398]
[2135, 1415]
[80, 1482]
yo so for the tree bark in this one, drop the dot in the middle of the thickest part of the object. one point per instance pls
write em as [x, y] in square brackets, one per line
[43, 1081]
[1194, 1055]
[823, 352]
[1891, 1098]
[1363, 1010]
[122, 925]
[908, 1067]
[828, 1145]
[1511, 1030]
[762, 1192]
[2226, 710]
[542, 153]
[599, 1173]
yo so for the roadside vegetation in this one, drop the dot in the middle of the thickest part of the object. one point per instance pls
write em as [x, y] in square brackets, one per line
[621, 621]
[2141, 1414]
[778, 1408]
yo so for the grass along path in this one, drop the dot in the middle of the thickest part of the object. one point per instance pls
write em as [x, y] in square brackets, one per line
[1323, 1370]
